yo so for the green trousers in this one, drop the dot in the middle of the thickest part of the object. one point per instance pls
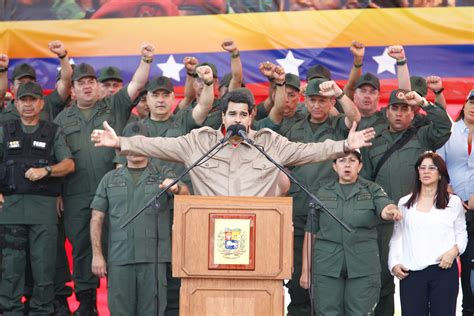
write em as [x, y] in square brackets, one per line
[77, 216]
[132, 289]
[346, 297]
[386, 304]
[300, 304]
[40, 241]
[63, 272]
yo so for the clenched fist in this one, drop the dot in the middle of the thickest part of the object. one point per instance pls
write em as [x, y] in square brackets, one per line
[396, 52]
[278, 74]
[357, 49]
[329, 89]
[434, 83]
[4, 60]
[190, 64]
[58, 48]
[229, 45]
[205, 73]
[413, 98]
[267, 68]
[147, 50]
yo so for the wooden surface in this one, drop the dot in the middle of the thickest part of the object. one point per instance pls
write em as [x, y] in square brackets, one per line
[216, 297]
[273, 238]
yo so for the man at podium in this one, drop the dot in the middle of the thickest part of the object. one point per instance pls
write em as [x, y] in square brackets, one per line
[237, 169]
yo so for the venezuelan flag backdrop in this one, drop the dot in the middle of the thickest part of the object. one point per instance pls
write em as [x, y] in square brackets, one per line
[438, 41]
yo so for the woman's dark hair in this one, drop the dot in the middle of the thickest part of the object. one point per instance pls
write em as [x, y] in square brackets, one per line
[240, 95]
[442, 195]
[461, 113]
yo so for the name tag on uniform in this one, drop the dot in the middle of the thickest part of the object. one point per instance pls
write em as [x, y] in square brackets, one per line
[364, 196]
[14, 144]
[39, 144]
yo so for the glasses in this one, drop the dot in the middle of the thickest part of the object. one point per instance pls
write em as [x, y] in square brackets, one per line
[430, 168]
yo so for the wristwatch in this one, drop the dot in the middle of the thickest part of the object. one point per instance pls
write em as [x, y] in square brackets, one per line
[49, 170]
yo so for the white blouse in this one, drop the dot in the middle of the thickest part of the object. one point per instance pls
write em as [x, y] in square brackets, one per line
[420, 238]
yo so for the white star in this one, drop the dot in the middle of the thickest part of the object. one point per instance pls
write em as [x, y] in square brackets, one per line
[385, 62]
[171, 68]
[290, 63]
[71, 61]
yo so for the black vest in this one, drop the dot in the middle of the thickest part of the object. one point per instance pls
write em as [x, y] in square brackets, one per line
[24, 151]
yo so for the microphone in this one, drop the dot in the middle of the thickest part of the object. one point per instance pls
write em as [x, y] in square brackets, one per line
[234, 130]
[242, 133]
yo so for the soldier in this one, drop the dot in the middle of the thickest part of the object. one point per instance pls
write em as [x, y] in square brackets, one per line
[390, 164]
[317, 126]
[130, 269]
[162, 123]
[35, 155]
[86, 114]
[23, 73]
[110, 81]
[345, 265]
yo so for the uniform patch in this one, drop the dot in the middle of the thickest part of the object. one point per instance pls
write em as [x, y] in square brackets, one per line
[38, 144]
[364, 197]
[14, 144]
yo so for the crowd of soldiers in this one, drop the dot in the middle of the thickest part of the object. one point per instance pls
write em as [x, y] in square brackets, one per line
[57, 184]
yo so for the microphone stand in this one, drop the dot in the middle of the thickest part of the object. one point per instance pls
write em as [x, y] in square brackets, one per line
[314, 204]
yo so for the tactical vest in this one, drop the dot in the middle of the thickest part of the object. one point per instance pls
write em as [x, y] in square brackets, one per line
[23, 151]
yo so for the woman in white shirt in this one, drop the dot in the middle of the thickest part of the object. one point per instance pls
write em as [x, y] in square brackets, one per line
[426, 243]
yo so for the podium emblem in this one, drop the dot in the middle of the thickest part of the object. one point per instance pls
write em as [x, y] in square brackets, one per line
[231, 242]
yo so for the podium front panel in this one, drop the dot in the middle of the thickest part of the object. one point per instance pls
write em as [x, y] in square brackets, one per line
[194, 237]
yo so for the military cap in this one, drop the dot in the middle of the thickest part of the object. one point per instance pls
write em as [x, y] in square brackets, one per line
[108, 73]
[356, 153]
[313, 86]
[160, 83]
[398, 97]
[292, 81]
[318, 71]
[370, 79]
[213, 67]
[23, 70]
[418, 84]
[83, 70]
[134, 129]
[30, 88]
[470, 95]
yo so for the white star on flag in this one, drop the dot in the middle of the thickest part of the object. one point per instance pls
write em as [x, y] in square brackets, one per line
[71, 61]
[290, 63]
[385, 62]
[171, 68]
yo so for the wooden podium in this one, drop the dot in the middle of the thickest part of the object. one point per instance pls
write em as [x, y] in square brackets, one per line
[232, 254]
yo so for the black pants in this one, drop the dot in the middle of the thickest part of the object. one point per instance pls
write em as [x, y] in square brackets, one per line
[432, 291]
[466, 259]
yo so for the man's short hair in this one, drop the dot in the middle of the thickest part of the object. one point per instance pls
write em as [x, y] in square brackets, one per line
[241, 95]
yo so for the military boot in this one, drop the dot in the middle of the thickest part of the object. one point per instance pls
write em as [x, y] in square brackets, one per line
[61, 306]
[86, 303]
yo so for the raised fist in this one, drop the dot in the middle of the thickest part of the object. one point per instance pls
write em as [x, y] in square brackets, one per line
[58, 48]
[357, 49]
[278, 74]
[147, 50]
[4, 60]
[205, 73]
[267, 68]
[190, 64]
[434, 83]
[413, 98]
[303, 87]
[229, 45]
[396, 52]
[329, 89]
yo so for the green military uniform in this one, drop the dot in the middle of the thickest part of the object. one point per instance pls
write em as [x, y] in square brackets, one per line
[214, 118]
[29, 222]
[53, 105]
[132, 281]
[265, 123]
[396, 176]
[345, 265]
[91, 165]
[312, 176]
